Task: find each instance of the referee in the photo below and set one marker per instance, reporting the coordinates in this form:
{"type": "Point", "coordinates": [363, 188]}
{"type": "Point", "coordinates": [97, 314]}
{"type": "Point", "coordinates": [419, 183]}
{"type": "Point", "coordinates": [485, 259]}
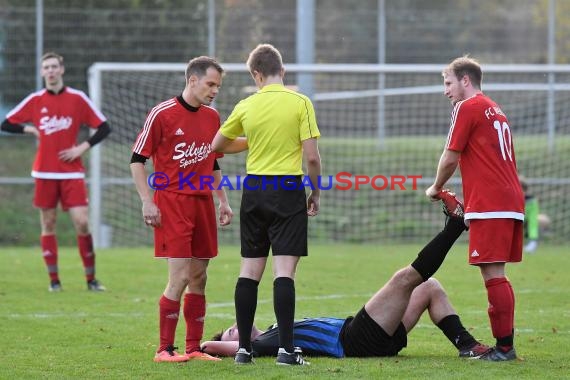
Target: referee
{"type": "Point", "coordinates": [280, 129]}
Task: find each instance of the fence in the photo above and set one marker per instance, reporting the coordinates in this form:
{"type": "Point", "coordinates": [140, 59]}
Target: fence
{"type": "Point", "coordinates": [396, 130]}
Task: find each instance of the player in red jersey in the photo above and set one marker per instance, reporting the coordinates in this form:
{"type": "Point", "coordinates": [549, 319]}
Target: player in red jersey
{"type": "Point", "coordinates": [177, 136]}
{"type": "Point", "coordinates": [54, 116]}
{"type": "Point", "coordinates": [480, 141]}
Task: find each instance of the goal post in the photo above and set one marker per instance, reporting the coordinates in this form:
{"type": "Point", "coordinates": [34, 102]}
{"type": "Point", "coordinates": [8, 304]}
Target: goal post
{"type": "Point", "coordinates": [412, 121]}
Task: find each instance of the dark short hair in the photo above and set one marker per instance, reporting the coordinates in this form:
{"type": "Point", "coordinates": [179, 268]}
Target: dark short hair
{"type": "Point", "coordinates": [467, 66]}
{"type": "Point", "coordinates": [266, 60]}
{"type": "Point", "coordinates": [199, 65]}
{"type": "Point", "coordinates": [51, 54]}
{"type": "Point", "coordinates": [218, 337]}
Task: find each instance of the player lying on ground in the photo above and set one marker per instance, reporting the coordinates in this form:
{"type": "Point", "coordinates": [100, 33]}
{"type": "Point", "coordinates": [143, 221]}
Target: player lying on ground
{"type": "Point", "coordinates": [380, 328]}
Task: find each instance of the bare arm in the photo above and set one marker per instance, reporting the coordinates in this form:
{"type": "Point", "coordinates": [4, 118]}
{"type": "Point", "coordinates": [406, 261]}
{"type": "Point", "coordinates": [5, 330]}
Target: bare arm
{"type": "Point", "coordinates": [225, 145]}
{"type": "Point", "coordinates": [447, 165]}
{"type": "Point", "coordinates": [150, 212]}
{"type": "Point", "coordinates": [225, 211]}
{"type": "Point", "coordinates": [76, 151]}
{"type": "Point", "coordinates": [226, 348]}
{"type": "Point", "coordinates": [313, 162]}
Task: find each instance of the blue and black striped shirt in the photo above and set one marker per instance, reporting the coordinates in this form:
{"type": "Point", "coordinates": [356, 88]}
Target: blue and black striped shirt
{"type": "Point", "coordinates": [315, 336]}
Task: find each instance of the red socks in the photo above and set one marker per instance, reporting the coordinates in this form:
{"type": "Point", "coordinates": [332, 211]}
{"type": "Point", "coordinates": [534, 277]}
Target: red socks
{"type": "Point", "coordinates": [168, 319]}
{"type": "Point", "coordinates": [85, 244]}
{"type": "Point", "coordinates": [194, 314]}
{"type": "Point", "coordinates": [49, 251]}
{"type": "Point", "coordinates": [501, 310]}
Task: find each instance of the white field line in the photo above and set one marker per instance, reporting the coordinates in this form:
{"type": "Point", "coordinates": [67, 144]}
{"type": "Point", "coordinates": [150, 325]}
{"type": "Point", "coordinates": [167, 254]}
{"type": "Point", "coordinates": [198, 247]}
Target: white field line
{"type": "Point", "coordinates": [267, 318]}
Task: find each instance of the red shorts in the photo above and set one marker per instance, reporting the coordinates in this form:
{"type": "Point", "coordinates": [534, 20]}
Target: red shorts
{"type": "Point", "coordinates": [189, 228]}
{"type": "Point", "coordinates": [495, 241]}
{"type": "Point", "coordinates": [71, 193]}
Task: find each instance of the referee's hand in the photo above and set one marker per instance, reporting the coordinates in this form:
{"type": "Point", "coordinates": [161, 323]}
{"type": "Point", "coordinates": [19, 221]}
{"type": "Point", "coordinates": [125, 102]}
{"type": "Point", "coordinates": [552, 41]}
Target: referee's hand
{"type": "Point", "coordinates": [313, 202]}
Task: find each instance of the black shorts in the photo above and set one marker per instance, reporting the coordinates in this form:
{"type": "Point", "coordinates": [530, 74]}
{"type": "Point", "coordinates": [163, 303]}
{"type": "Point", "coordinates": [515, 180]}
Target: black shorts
{"type": "Point", "coordinates": [273, 214]}
{"type": "Point", "coordinates": [361, 336]}
{"type": "Point", "coordinates": [267, 344]}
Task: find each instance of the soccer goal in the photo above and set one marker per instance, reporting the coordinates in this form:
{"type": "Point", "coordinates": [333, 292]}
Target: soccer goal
{"type": "Point", "coordinates": [381, 122]}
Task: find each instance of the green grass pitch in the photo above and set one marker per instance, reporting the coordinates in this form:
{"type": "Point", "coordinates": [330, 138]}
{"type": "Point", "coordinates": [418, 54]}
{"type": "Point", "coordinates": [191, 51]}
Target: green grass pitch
{"type": "Point", "coordinates": [80, 335]}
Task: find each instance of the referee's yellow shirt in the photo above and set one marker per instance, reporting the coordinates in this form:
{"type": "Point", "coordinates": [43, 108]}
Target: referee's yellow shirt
{"type": "Point", "coordinates": [275, 120]}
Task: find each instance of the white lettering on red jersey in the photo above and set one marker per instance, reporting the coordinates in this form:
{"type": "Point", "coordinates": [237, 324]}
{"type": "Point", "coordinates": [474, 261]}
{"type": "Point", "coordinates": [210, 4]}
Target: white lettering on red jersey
{"type": "Point", "coordinates": [480, 131]}
{"type": "Point", "coordinates": [54, 124]}
{"type": "Point", "coordinates": [178, 138]}
{"type": "Point", "coordinates": [58, 117]}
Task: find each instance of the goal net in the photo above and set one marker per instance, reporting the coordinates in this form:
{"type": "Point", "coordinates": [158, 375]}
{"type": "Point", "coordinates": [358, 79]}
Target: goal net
{"type": "Point", "coordinates": [386, 124]}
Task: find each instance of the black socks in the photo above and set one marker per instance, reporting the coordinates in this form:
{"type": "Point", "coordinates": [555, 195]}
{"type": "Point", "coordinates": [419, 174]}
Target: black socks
{"type": "Point", "coordinates": [432, 255]}
{"type": "Point", "coordinates": [245, 299]}
{"type": "Point", "coordinates": [284, 306]}
{"type": "Point", "coordinates": [453, 329]}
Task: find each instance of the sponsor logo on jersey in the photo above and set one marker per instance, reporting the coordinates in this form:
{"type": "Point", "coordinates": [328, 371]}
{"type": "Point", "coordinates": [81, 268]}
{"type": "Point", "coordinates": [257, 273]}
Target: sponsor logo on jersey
{"type": "Point", "coordinates": [44, 110]}
{"type": "Point", "coordinates": [190, 154]}
{"type": "Point", "coordinates": [54, 124]}
{"type": "Point", "coordinates": [179, 132]}
{"type": "Point", "coordinates": [475, 253]}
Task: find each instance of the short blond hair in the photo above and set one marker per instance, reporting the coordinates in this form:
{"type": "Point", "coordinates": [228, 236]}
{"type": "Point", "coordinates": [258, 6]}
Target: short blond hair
{"type": "Point", "coordinates": [266, 60]}
{"type": "Point", "coordinates": [466, 65]}
{"type": "Point", "coordinates": [51, 54]}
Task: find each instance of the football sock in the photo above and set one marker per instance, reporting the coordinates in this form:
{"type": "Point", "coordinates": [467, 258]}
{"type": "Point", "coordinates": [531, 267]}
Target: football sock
{"type": "Point", "coordinates": [194, 314]}
{"type": "Point", "coordinates": [85, 243]}
{"type": "Point", "coordinates": [501, 311]}
{"type": "Point", "coordinates": [284, 306]}
{"type": "Point", "coordinates": [168, 319]}
{"type": "Point", "coordinates": [49, 251]}
{"type": "Point", "coordinates": [432, 255]}
{"type": "Point", "coordinates": [454, 330]}
{"type": "Point", "coordinates": [245, 299]}
{"type": "Point", "coordinates": [506, 343]}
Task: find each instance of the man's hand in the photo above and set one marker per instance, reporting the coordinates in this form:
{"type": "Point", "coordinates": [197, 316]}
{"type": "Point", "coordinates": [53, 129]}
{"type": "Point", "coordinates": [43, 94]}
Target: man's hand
{"type": "Point", "coordinates": [74, 152]}
{"type": "Point", "coordinates": [432, 193]}
{"type": "Point", "coordinates": [313, 204]}
{"type": "Point", "coordinates": [226, 214]}
{"type": "Point", "coordinates": [151, 214]}
{"type": "Point", "coordinates": [31, 130]}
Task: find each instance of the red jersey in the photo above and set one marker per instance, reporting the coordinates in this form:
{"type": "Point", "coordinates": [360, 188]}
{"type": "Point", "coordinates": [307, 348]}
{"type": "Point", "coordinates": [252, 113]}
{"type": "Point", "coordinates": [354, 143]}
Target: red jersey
{"type": "Point", "coordinates": [58, 118]}
{"type": "Point", "coordinates": [178, 138]}
{"type": "Point", "coordinates": [480, 131]}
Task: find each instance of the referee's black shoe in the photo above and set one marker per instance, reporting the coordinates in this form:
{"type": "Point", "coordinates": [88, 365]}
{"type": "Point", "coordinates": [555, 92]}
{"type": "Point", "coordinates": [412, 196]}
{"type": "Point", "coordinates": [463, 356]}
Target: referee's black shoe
{"type": "Point", "coordinates": [243, 357]}
{"type": "Point", "coordinates": [294, 358]}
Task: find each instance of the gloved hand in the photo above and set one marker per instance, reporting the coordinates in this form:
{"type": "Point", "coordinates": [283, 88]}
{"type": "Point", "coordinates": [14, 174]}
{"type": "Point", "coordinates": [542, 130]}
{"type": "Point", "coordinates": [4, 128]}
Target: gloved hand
{"type": "Point", "coordinates": [531, 246]}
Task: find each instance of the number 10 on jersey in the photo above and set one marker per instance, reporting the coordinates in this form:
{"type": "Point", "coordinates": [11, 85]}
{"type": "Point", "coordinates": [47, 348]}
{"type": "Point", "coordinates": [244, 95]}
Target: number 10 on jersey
{"type": "Point", "coordinates": [505, 139]}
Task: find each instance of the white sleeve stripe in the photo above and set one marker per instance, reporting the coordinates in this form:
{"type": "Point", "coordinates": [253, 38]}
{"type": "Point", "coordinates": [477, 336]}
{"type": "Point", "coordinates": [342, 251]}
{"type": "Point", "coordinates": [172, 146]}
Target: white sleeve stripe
{"type": "Point", "coordinates": [452, 123]}
{"type": "Point", "coordinates": [89, 103]}
{"type": "Point", "coordinates": [24, 102]}
{"type": "Point", "coordinates": [141, 140]}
